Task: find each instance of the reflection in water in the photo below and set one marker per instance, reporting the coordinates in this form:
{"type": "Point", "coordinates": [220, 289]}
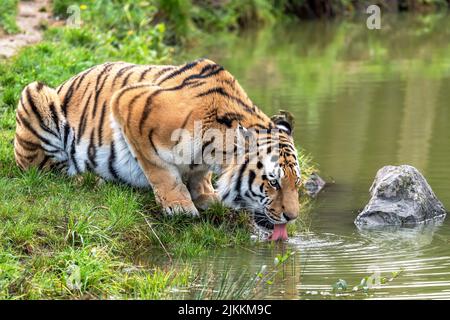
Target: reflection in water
{"type": "Point", "coordinates": [408, 237]}
{"type": "Point", "coordinates": [362, 99]}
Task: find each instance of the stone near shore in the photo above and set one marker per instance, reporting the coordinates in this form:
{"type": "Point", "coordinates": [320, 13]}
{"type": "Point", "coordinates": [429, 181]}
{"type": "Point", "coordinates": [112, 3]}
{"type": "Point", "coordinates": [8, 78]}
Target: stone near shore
{"type": "Point", "coordinates": [314, 184]}
{"type": "Point", "coordinates": [400, 196]}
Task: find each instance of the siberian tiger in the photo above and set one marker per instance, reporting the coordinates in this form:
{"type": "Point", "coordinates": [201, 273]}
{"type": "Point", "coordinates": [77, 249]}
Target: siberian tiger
{"type": "Point", "coordinates": [119, 121]}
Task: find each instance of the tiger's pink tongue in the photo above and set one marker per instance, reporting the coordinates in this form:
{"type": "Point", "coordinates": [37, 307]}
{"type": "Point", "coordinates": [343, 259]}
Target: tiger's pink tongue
{"type": "Point", "coordinates": [279, 232]}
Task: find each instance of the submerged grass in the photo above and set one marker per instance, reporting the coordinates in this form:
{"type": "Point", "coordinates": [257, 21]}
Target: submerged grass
{"type": "Point", "coordinates": [78, 238]}
{"type": "Point", "coordinates": [242, 283]}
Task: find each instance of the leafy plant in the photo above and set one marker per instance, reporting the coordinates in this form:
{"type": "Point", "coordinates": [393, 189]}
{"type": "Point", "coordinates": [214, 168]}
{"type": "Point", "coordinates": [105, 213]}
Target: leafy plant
{"type": "Point", "coordinates": [366, 284]}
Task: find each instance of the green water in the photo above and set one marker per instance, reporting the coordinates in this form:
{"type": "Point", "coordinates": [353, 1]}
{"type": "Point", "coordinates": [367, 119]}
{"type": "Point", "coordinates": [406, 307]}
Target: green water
{"type": "Point", "coordinates": [362, 99]}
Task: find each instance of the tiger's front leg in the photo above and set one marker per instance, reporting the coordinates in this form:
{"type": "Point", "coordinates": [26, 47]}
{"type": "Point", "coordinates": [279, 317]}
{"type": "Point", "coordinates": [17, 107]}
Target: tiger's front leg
{"type": "Point", "coordinates": [131, 107]}
{"type": "Point", "coordinates": [169, 190]}
{"type": "Point", "coordinates": [201, 189]}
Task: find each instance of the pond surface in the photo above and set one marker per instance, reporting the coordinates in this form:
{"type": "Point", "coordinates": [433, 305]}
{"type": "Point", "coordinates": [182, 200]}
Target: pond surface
{"type": "Point", "coordinates": [362, 99]}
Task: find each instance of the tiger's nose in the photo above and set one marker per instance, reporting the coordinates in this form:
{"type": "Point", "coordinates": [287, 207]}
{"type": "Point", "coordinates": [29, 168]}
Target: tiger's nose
{"type": "Point", "coordinates": [290, 216]}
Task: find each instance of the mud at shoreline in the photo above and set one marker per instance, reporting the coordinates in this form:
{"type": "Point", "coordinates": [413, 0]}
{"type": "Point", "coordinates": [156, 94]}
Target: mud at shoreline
{"type": "Point", "coordinates": [29, 17]}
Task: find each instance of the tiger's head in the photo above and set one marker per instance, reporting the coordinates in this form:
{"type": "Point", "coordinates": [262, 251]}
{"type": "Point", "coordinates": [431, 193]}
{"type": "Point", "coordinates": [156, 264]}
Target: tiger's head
{"type": "Point", "coordinates": [267, 180]}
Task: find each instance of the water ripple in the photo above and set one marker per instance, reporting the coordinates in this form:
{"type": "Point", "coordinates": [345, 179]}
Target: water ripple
{"type": "Point", "coordinates": [423, 260]}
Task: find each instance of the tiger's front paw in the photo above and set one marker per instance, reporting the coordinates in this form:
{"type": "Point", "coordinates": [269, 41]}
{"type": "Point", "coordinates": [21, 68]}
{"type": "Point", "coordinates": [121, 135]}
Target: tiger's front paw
{"type": "Point", "coordinates": [205, 200]}
{"type": "Point", "coordinates": [181, 207]}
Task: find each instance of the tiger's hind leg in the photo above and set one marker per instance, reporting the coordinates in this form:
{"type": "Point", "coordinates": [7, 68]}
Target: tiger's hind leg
{"type": "Point", "coordinates": [39, 134]}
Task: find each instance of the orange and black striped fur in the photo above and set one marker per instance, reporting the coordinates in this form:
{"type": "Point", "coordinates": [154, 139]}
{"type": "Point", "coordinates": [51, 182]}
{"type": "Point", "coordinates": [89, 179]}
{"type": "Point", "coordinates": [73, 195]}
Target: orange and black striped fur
{"type": "Point", "coordinates": [117, 120]}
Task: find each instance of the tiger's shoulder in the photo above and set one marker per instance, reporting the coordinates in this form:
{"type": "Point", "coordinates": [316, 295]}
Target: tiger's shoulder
{"type": "Point", "coordinates": [203, 86]}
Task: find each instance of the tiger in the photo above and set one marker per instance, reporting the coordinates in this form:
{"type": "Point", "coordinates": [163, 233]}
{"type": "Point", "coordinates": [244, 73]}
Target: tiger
{"type": "Point", "coordinates": [118, 119]}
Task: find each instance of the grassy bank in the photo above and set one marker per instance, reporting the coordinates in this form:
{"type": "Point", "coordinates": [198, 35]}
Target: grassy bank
{"type": "Point", "coordinates": [8, 16]}
{"type": "Point", "coordinates": [66, 237]}
{"type": "Point", "coordinates": [187, 17]}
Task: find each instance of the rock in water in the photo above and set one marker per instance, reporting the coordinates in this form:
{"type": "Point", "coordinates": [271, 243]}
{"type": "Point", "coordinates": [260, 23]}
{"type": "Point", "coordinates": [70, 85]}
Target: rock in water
{"type": "Point", "coordinates": [400, 196]}
{"type": "Point", "coordinates": [314, 184]}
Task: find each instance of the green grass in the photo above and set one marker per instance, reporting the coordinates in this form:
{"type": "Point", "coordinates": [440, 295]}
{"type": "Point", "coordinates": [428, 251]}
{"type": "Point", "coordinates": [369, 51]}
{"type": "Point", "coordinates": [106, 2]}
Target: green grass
{"type": "Point", "coordinates": [78, 238]}
{"type": "Point", "coordinates": [8, 16]}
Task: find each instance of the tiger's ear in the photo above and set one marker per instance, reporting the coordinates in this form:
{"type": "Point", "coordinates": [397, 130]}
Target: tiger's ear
{"type": "Point", "coordinates": [284, 121]}
{"type": "Point", "coordinates": [241, 129]}
{"type": "Point", "coordinates": [242, 132]}
{"type": "Point", "coordinates": [243, 137]}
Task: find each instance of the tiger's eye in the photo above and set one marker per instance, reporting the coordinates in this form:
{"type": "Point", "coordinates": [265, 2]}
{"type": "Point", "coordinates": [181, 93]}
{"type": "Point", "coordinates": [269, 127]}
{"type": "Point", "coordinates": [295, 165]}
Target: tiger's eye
{"type": "Point", "coordinates": [274, 184]}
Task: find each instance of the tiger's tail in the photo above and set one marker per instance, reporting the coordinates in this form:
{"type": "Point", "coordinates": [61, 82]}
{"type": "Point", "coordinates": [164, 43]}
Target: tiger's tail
{"type": "Point", "coordinates": [41, 129]}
